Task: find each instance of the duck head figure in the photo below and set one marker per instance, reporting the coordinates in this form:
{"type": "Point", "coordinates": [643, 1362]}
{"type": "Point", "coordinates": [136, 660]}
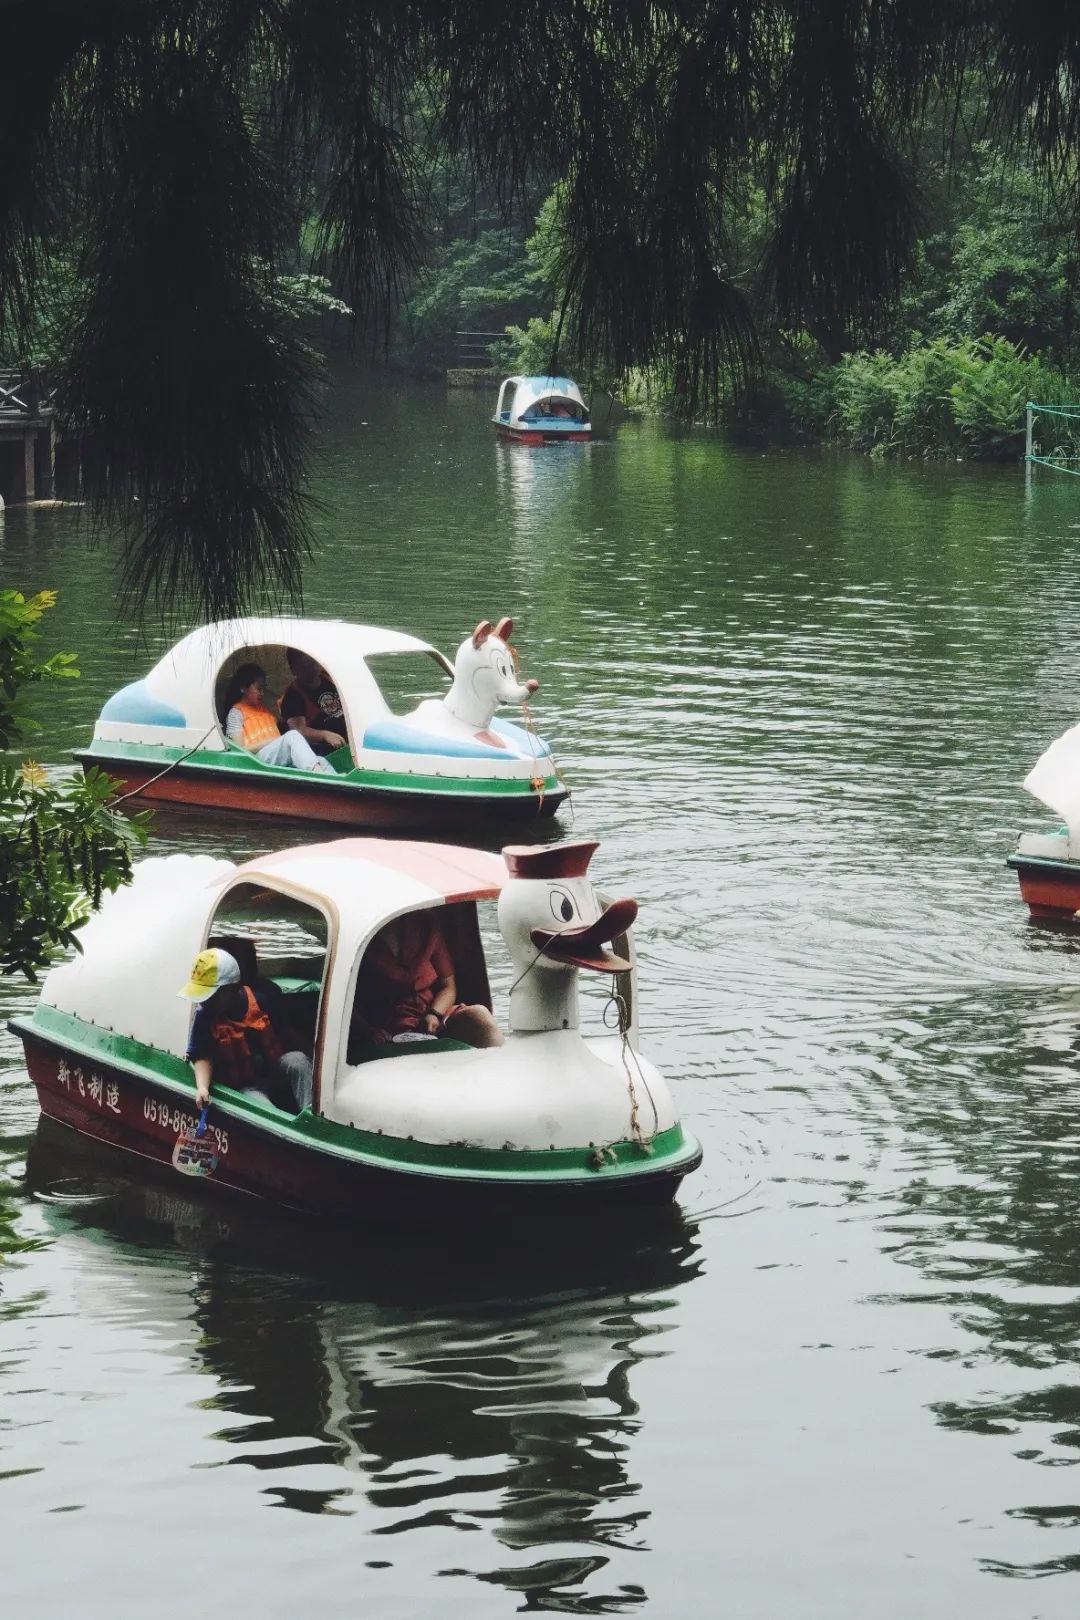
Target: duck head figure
{"type": "Point", "coordinates": [485, 676]}
{"type": "Point", "coordinates": [555, 926]}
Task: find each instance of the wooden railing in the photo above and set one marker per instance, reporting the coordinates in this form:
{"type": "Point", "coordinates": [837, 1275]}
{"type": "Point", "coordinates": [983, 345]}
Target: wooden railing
{"type": "Point", "coordinates": [474, 348]}
{"type": "Point", "coordinates": [21, 398]}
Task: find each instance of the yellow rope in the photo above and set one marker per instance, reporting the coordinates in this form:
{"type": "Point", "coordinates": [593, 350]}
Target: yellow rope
{"type": "Point", "coordinates": [536, 781]}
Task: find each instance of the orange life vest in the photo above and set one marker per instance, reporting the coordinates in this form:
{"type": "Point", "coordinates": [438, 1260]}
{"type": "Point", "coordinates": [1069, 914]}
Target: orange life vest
{"type": "Point", "coordinates": [246, 1048]}
{"type": "Point", "coordinates": [260, 727]}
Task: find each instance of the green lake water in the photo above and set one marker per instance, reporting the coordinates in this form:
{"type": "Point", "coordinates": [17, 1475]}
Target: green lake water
{"type": "Point", "coordinates": [795, 695]}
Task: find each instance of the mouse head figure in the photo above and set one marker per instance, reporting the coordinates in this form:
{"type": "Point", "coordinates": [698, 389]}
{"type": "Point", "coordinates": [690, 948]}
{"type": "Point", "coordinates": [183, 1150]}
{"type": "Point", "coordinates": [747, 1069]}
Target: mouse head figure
{"type": "Point", "coordinates": [555, 926]}
{"type": "Point", "coordinates": [484, 675]}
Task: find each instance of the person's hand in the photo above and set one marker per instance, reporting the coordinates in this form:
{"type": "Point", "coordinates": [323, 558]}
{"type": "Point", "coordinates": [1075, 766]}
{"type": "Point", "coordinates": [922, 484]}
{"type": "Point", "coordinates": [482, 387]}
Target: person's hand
{"type": "Point", "coordinates": [432, 1022]}
{"type": "Point", "coordinates": [202, 1093]}
{"type": "Point", "coordinates": [331, 739]}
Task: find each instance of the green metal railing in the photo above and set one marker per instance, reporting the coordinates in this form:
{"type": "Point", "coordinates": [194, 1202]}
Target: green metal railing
{"type": "Point", "coordinates": [1061, 462]}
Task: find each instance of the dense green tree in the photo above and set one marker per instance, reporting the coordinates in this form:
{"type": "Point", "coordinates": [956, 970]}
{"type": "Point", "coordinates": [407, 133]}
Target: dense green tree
{"type": "Point", "coordinates": [171, 152]}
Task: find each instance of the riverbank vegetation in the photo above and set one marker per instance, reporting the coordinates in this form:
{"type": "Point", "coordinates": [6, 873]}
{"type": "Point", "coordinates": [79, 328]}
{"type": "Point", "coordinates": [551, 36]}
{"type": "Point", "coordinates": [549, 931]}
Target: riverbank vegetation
{"type": "Point", "coordinates": [62, 844]}
{"type": "Point", "coordinates": [722, 192]}
{"type": "Point", "coordinates": [982, 321]}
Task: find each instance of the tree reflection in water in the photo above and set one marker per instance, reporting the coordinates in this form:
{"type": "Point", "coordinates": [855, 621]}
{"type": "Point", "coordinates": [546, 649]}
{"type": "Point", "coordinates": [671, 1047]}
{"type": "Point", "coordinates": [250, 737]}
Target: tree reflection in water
{"type": "Point", "coordinates": [480, 1382]}
{"type": "Point", "coordinates": [991, 1219]}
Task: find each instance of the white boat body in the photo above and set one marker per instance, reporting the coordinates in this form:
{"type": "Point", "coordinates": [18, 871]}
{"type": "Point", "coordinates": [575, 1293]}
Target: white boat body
{"type": "Point", "coordinates": [1054, 780]}
{"type": "Point", "coordinates": [547, 1086]}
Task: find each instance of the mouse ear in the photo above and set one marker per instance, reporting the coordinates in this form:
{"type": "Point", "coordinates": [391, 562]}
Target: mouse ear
{"type": "Point", "coordinates": [481, 633]}
{"type": "Point", "coordinates": [504, 629]}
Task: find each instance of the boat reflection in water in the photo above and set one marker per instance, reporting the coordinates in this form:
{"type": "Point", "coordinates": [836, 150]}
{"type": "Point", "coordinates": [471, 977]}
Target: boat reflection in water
{"type": "Point", "coordinates": [428, 1389]}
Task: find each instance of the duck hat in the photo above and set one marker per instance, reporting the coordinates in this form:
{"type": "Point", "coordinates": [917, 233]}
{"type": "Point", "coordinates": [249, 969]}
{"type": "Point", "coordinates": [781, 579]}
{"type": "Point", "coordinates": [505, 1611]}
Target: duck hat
{"type": "Point", "coordinates": [209, 972]}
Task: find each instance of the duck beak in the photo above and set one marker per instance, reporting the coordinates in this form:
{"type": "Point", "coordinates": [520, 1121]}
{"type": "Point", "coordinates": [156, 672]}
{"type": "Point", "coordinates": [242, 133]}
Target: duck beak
{"type": "Point", "coordinates": [584, 947]}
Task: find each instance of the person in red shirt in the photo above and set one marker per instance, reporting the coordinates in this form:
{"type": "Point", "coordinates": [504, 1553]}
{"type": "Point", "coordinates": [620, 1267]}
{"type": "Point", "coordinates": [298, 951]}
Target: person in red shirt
{"type": "Point", "coordinates": [407, 987]}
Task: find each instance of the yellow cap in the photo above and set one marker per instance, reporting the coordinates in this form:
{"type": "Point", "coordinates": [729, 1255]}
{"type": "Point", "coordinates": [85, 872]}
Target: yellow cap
{"type": "Point", "coordinates": [209, 971]}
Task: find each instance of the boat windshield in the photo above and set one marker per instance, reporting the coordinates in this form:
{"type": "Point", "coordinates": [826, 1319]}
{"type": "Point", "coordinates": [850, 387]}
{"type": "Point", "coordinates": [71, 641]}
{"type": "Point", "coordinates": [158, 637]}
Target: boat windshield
{"type": "Point", "coordinates": [406, 678]}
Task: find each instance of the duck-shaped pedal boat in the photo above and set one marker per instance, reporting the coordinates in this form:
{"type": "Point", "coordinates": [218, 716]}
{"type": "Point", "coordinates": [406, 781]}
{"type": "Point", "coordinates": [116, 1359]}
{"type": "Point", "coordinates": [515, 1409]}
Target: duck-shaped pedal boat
{"type": "Point", "coordinates": [375, 761]}
{"type": "Point", "coordinates": [1048, 864]}
{"type": "Point", "coordinates": [551, 1119]}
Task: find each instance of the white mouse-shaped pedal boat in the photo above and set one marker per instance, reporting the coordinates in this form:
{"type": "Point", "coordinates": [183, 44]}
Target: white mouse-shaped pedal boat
{"type": "Point", "coordinates": [447, 761]}
{"type": "Point", "coordinates": [552, 1119]}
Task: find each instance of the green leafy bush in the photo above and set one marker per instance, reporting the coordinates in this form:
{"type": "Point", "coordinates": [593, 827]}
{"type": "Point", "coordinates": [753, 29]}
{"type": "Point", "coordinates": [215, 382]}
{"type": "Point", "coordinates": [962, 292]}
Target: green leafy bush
{"type": "Point", "coordinates": [989, 396]}
{"type": "Point", "coordinates": [866, 393]}
{"type": "Point", "coordinates": [965, 399]}
{"type": "Point", "coordinates": [61, 842]}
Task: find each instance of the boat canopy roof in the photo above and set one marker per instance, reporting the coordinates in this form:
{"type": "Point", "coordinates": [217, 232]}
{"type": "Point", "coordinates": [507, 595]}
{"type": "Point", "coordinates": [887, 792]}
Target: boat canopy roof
{"type": "Point", "coordinates": [185, 677]}
{"type": "Point", "coordinates": [138, 949]}
{"type": "Point", "coordinates": [363, 882]}
{"type": "Point", "coordinates": [533, 388]}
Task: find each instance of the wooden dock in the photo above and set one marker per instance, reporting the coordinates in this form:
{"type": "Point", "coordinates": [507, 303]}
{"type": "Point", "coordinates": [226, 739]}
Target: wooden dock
{"type": "Point", "coordinates": [27, 439]}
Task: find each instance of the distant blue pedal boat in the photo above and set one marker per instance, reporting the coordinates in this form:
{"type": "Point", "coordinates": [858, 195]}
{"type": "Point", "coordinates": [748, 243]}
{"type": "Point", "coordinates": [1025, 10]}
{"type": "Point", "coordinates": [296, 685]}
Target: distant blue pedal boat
{"type": "Point", "coordinates": [542, 410]}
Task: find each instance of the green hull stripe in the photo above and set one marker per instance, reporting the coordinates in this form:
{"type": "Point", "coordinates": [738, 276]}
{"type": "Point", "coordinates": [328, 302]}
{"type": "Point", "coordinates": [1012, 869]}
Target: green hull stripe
{"type": "Point", "coordinates": [669, 1151]}
{"type": "Point", "coordinates": [1046, 863]}
{"type": "Point", "coordinates": [158, 756]}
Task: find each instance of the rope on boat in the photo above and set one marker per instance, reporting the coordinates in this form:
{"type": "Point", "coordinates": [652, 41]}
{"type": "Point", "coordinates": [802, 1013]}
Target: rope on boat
{"type": "Point", "coordinates": [173, 763]}
{"type": "Point", "coordinates": [536, 782]}
{"type": "Point", "coordinates": [628, 1054]}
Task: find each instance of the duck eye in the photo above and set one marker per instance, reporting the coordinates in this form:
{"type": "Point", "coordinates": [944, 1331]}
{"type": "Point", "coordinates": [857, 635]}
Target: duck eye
{"type": "Point", "coordinates": [561, 905]}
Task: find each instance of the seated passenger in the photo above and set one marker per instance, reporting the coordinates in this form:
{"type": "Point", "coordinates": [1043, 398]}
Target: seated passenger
{"type": "Point", "coordinates": [235, 1041]}
{"type": "Point", "coordinates": [269, 995]}
{"type": "Point", "coordinates": [310, 704]}
{"type": "Point", "coordinates": [407, 988]}
{"type": "Point", "coordinates": [252, 725]}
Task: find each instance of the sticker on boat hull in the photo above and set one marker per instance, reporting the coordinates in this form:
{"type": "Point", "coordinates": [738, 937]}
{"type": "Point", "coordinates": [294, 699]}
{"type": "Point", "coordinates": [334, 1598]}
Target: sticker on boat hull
{"type": "Point", "coordinates": [195, 1153]}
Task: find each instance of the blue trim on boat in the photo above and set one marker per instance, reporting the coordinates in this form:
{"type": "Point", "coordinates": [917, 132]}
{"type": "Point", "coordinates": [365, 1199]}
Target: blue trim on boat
{"type": "Point", "coordinates": [136, 705]}
{"type": "Point", "coordinates": [394, 737]}
{"type": "Point", "coordinates": [524, 741]}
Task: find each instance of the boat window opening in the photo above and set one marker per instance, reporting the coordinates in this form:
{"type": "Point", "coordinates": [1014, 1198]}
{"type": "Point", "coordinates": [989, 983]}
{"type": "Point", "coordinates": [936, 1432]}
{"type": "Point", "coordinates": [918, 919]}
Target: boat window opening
{"type": "Point", "coordinates": [558, 406]}
{"type": "Point", "coordinates": [270, 658]}
{"type": "Point", "coordinates": [506, 404]}
{"type": "Point", "coordinates": [405, 679]}
{"type": "Point", "coordinates": [280, 945]}
{"type": "Point", "coordinates": [460, 928]}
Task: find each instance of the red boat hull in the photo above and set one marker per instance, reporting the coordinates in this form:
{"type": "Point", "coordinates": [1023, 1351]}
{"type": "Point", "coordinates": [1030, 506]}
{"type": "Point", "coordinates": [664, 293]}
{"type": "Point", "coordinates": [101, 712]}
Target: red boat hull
{"type": "Point", "coordinates": [524, 436]}
{"type": "Point", "coordinates": [1051, 889]}
{"type": "Point", "coordinates": [130, 1111]}
{"type": "Point", "coordinates": [347, 806]}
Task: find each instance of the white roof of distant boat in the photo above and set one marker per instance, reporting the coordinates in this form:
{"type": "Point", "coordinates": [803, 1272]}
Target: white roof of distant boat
{"type": "Point", "coordinates": [541, 388]}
